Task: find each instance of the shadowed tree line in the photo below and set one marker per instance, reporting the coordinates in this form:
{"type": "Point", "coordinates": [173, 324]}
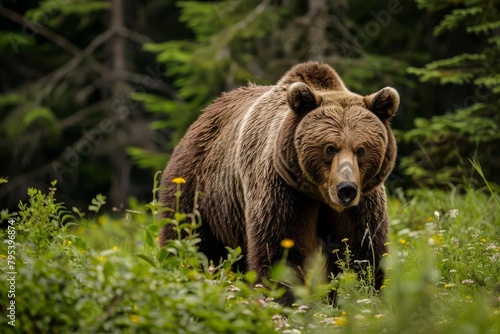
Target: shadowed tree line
{"type": "Point", "coordinates": [97, 93]}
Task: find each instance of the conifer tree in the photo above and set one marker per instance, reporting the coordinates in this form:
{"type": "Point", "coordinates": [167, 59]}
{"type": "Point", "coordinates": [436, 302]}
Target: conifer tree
{"type": "Point", "coordinates": [470, 127]}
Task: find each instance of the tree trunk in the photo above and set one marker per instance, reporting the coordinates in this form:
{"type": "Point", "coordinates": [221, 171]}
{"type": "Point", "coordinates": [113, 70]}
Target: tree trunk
{"type": "Point", "coordinates": [318, 14]}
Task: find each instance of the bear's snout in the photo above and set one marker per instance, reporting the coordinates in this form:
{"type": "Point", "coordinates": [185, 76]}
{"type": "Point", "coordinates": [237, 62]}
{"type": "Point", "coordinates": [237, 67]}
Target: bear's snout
{"type": "Point", "coordinates": [347, 192]}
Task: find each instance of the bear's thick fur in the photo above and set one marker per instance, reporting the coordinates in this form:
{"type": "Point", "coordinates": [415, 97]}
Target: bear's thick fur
{"type": "Point", "coordinates": [304, 159]}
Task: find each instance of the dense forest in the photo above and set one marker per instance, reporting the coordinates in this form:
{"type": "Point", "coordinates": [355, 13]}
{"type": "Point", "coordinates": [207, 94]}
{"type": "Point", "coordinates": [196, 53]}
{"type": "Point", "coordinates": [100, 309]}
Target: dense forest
{"type": "Point", "coordinates": [95, 94]}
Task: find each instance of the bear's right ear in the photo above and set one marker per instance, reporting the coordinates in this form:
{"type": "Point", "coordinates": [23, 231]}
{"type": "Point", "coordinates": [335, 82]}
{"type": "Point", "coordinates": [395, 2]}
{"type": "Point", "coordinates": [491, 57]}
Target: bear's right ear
{"type": "Point", "coordinates": [301, 98]}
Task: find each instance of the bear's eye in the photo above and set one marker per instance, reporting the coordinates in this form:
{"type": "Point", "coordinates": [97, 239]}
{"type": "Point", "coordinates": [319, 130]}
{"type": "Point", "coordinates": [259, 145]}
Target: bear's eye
{"type": "Point", "coordinates": [360, 152]}
{"type": "Point", "coordinates": [331, 150]}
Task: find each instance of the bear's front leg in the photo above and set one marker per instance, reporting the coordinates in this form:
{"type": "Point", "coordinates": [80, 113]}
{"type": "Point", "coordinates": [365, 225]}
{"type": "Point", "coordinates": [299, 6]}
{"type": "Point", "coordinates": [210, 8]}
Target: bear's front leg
{"type": "Point", "coordinates": [269, 220]}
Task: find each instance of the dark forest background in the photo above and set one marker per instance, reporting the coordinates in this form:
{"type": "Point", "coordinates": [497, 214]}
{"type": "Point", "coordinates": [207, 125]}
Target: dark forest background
{"type": "Point", "coordinates": [95, 94]}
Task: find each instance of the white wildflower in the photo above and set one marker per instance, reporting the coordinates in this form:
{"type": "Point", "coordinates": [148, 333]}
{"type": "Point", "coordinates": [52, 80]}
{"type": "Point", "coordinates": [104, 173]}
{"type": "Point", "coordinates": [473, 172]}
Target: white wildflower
{"type": "Point", "coordinates": [453, 213]}
{"type": "Point", "coordinates": [364, 301]}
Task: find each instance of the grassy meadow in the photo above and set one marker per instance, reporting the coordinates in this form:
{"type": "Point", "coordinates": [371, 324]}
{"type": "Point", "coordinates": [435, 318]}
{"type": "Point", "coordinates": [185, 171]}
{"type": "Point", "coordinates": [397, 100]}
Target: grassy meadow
{"type": "Point", "coordinates": [85, 271]}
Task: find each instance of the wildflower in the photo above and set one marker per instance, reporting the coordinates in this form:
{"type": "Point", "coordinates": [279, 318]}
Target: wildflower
{"type": "Point", "coordinates": [233, 288]}
{"type": "Point", "coordinates": [134, 318]}
{"type": "Point", "coordinates": [101, 258]}
{"type": "Point", "coordinates": [340, 321]}
{"type": "Point", "coordinates": [361, 261]}
{"type": "Point", "coordinates": [453, 271]}
{"type": "Point", "coordinates": [449, 285]}
{"type": "Point", "coordinates": [69, 242]}
{"type": "Point", "coordinates": [179, 180]}
{"type": "Point", "coordinates": [483, 240]}
{"type": "Point", "coordinates": [435, 240]}
{"type": "Point", "coordinates": [115, 247]}
{"type": "Point", "coordinates": [364, 301]}
{"type": "Point", "coordinates": [287, 243]}
{"type": "Point", "coordinates": [467, 281]}
{"type": "Point", "coordinates": [453, 213]}
{"type": "Point", "coordinates": [436, 214]}
{"type": "Point", "coordinates": [492, 247]}
{"type": "Point", "coordinates": [379, 316]}
{"type": "Point", "coordinates": [402, 241]}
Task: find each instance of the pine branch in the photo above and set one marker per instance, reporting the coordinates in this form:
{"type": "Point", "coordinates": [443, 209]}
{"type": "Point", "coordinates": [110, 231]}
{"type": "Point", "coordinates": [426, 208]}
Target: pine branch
{"type": "Point", "coordinates": [52, 36]}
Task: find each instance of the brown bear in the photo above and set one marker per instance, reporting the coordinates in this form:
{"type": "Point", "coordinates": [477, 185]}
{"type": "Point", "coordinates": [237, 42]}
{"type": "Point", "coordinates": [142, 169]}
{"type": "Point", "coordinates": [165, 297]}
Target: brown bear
{"type": "Point", "coordinates": [304, 159]}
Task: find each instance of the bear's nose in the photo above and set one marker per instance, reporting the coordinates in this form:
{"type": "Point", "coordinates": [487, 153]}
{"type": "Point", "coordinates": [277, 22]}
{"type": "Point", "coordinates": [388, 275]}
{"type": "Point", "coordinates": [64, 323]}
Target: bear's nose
{"type": "Point", "coordinates": [347, 191]}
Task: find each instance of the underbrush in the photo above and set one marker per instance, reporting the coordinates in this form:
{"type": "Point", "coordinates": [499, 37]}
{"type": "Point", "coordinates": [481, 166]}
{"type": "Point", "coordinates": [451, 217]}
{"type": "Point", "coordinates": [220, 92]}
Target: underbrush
{"type": "Point", "coordinates": [99, 273]}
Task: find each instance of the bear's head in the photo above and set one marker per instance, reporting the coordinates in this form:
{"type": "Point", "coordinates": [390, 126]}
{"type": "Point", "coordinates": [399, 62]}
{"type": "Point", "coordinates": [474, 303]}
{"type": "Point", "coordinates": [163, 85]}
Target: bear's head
{"type": "Point", "coordinates": [334, 145]}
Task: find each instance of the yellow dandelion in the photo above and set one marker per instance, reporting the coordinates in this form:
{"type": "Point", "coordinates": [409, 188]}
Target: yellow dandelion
{"type": "Point", "coordinates": [134, 318]}
{"type": "Point", "coordinates": [402, 241]}
{"type": "Point", "coordinates": [340, 321]}
{"type": "Point", "coordinates": [179, 180]}
{"type": "Point", "coordinates": [115, 247]}
{"type": "Point", "coordinates": [287, 243]}
{"type": "Point", "coordinates": [101, 258]}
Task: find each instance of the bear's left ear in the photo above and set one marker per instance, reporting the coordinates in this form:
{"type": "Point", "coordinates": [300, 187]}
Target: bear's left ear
{"type": "Point", "coordinates": [384, 103]}
{"type": "Point", "coordinates": [301, 98]}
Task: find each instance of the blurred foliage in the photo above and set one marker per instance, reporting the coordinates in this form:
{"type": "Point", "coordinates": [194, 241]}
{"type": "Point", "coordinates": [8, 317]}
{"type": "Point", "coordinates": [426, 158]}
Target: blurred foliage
{"type": "Point", "coordinates": [84, 271]}
{"type": "Point", "coordinates": [470, 128]}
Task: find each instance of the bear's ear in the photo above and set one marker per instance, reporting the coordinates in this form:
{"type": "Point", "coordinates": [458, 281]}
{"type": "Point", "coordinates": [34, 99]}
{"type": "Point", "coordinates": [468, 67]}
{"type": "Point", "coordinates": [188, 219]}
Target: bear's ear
{"type": "Point", "coordinates": [301, 98]}
{"type": "Point", "coordinates": [384, 103]}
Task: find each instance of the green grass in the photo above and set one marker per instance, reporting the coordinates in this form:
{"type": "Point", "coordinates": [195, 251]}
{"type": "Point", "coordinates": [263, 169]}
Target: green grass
{"type": "Point", "coordinates": [101, 273]}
